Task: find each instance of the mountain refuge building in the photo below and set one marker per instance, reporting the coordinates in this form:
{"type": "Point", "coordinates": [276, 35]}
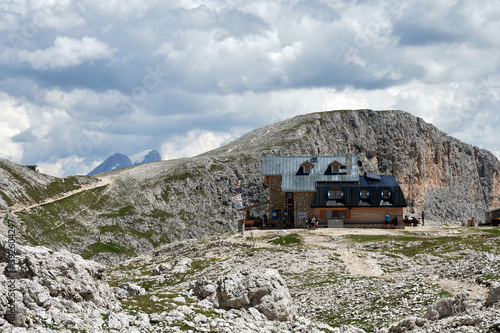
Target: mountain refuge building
{"type": "Point", "coordinates": [331, 188]}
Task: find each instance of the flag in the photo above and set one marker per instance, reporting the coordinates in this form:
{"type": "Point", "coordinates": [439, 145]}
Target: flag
{"type": "Point", "coordinates": [238, 201]}
{"type": "Point", "coordinates": [239, 182]}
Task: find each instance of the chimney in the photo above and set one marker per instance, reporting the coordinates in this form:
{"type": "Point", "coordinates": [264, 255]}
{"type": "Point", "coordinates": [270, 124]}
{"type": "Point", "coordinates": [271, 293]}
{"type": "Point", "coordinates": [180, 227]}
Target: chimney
{"type": "Point", "coordinates": [348, 163]}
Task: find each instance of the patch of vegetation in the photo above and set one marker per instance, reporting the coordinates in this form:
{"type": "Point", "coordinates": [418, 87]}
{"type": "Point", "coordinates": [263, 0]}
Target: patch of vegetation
{"type": "Point", "coordinates": [411, 245]}
{"type": "Point", "coordinates": [99, 247]}
{"type": "Point", "coordinates": [123, 211]}
{"type": "Point", "coordinates": [367, 238]}
{"type": "Point", "coordinates": [163, 215]}
{"type": "Point", "coordinates": [6, 199]}
{"type": "Point", "coordinates": [287, 240]}
{"type": "Point", "coordinates": [180, 176]}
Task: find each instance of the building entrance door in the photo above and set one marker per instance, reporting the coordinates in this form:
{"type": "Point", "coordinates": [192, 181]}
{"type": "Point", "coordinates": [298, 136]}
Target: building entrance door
{"type": "Point", "coordinates": [291, 211]}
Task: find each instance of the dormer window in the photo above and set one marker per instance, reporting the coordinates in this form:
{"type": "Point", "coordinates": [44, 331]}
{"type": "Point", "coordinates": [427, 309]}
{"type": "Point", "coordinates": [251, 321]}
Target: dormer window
{"type": "Point", "coordinates": [307, 167]}
{"type": "Point", "coordinates": [335, 167]}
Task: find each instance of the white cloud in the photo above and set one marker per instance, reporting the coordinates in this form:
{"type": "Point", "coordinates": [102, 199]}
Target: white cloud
{"type": "Point", "coordinates": [180, 65]}
{"type": "Point", "coordinates": [14, 119]}
{"type": "Point", "coordinates": [193, 143]}
{"type": "Point", "coordinates": [59, 166]}
{"type": "Point", "coordinates": [66, 52]}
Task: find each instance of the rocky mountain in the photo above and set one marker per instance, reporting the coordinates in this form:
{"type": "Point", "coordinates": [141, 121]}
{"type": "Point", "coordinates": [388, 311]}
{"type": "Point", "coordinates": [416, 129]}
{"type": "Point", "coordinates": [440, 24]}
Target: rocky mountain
{"type": "Point", "coordinates": [133, 210]}
{"type": "Point", "coordinates": [120, 161]}
{"type": "Point", "coordinates": [146, 156]}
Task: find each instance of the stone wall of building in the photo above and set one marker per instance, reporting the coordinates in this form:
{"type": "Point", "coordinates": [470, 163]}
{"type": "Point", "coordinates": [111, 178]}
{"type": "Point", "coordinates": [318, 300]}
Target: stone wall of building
{"type": "Point", "coordinates": [277, 199]}
{"type": "Point", "coordinates": [303, 202]}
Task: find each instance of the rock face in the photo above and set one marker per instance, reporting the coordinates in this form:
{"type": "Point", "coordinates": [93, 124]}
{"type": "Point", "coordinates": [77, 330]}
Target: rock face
{"type": "Point", "coordinates": [448, 179]}
{"type": "Point", "coordinates": [61, 289]}
{"type": "Point", "coordinates": [264, 290]}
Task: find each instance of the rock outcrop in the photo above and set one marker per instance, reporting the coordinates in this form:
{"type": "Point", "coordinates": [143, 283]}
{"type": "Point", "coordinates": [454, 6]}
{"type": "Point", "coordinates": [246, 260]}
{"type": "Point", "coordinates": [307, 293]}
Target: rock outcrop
{"type": "Point", "coordinates": [58, 289]}
{"type": "Point", "coordinates": [493, 295]}
{"type": "Point", "coordinates": [263, 290]}
{"type": "Point", "coordinates": [447, 307]}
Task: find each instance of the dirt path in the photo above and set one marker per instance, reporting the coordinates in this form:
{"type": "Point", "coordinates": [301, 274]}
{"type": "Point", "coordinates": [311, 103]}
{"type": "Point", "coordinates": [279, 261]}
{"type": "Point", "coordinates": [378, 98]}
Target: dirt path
{"type": "Point", "coordinates": [103, 181]}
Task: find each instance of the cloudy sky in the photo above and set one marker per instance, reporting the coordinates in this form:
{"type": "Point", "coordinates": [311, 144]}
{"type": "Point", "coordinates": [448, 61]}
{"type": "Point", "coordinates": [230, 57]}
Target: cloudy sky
{"type": "Point", "coordinates": [81, 80]}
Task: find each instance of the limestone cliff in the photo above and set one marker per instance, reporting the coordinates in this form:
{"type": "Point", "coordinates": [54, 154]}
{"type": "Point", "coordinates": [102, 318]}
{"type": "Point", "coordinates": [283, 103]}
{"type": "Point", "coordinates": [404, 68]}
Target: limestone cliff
{"type": "Point", "coordinates": [448, 179]}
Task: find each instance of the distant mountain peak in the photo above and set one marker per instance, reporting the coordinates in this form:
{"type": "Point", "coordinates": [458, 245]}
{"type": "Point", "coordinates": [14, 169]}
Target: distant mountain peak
{"type": "Point", "coordinates": [145, 156]}
{"type": "Point", "coordinates": [120, 161]}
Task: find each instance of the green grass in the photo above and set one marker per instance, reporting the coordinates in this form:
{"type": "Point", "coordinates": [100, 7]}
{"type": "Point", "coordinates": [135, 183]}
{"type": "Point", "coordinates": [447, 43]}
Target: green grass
{"type": "Point", "coordinates": [486, 240]}
{"type": "Point", "coordinates": [287, 240]}
{"type": "Point", "coordinates": [99, 247]}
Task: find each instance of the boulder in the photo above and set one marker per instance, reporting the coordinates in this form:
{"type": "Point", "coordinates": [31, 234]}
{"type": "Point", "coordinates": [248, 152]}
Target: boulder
{"type": "Point", "coordinates": [161, 269]}
{"type": "Point", "coordinates": [182, 265]}
{"type": "Point", "coordinates": [264, 290]}
{"type": "Point", "coordinates": [493, 295]}
{"type": "Point", "coordinates": [447, 307]}
{"type": "Point", "coordinates": [132, 289]}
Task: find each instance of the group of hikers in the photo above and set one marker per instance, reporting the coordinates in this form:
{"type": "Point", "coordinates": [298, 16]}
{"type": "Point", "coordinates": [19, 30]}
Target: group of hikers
{"type": "Point", "coordinates": [395, 221]}
{"type": "Point", "coordinates": [311, 223]}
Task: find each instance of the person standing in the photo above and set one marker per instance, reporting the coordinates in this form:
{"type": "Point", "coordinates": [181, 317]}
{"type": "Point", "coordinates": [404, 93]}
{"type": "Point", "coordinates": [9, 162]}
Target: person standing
{"type": "Point", "coordinates": [387, 220]}
{"type": "Point", "coordinates": [423, 216]}
{"type": "Point", "coordinates": [395, 221]}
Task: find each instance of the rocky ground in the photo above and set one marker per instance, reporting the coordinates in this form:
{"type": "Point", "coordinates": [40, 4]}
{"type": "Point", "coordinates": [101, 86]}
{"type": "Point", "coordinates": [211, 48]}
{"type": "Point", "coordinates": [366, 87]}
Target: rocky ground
{"type": "Point", "coordinates": [424, 279]}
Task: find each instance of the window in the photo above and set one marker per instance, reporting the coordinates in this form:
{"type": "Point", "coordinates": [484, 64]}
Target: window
{"type": "Point", "coordinates": [340, 214]}
{"type": "Point", "coordinates": [335, 194]}
{"type": "Point", "coordinates": [386, 194]}
{"type": "Point", "coordinates": [364, 194]}
{"type": "Point", "coordinates": [335, 167]}
{"type": "Point", "coordinates": [307, 167]}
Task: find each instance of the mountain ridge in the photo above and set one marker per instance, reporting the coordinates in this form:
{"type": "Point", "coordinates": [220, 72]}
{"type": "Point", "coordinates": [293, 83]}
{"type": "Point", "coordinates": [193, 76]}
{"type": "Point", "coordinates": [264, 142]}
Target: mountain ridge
{"type": "Point", "coordinates": [151, 204]}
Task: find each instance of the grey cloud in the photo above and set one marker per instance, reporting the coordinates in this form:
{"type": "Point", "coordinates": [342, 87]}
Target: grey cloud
{"type": "Point", "coordinates": [219, 66]}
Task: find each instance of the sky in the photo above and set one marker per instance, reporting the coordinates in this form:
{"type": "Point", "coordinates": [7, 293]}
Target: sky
{"type": "Point", "coordinates": [82, 80]}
